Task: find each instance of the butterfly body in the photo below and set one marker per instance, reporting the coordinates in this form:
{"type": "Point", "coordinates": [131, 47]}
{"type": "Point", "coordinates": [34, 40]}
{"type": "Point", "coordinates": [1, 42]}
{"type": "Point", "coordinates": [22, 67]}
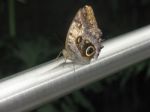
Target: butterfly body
{"type": "Point", "coordinates": [83, 41]}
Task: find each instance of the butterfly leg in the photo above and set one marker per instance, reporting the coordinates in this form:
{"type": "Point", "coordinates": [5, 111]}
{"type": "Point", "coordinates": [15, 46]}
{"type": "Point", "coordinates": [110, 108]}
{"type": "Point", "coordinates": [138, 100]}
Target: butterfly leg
{"type": "Point", "coordinates": [59, 55]}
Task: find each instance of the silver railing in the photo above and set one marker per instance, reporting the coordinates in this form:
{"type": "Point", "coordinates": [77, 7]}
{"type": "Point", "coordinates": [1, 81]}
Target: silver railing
{"type": "Point", "coordinates": [28, 89]}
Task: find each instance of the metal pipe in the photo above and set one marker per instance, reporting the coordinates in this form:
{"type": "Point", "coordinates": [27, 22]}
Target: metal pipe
{"type": "Point", "coordinates": [31, 88]}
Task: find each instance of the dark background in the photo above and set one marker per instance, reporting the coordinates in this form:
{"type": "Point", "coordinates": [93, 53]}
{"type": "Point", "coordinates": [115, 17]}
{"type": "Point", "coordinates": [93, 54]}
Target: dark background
{"type": "Point", "coordinates": [34, 31]}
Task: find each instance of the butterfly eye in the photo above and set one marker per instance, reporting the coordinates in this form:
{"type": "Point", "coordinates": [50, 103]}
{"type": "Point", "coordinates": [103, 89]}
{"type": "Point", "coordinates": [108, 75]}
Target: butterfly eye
{"type": "Point", "coordinates": [90, 51]}
{"type": "Point", "coordinates": [79, 39]}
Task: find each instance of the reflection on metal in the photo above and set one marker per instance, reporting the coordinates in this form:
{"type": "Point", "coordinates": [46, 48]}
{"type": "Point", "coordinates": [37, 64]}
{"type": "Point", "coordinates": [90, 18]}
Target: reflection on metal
{"type": "Point", "coordinates": [46, 82]}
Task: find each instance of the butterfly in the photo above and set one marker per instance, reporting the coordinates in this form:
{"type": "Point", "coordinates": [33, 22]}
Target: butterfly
{"type": "Point", "coordinates": [83, 41]}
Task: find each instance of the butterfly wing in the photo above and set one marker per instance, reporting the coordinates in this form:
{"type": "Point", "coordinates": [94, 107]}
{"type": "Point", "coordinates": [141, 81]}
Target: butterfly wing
{"type": "Point", "coordinates": [83, 39]}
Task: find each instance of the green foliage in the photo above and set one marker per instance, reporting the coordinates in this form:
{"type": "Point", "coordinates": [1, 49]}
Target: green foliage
{"type": "Point", "coordinates": [48, 108]}
{"type": "Point", "coordinates": [80, 99]}
{"type": "Point", "coordinates": [32, 52]}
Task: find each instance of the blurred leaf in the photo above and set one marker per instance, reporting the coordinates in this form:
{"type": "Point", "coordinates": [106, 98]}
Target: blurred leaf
{"type": "Point", "coordinates": [67, 108]}
{"type": "Point", "coordinates": [47, 108]}
{"type": "Point", "coordinates": [80, 99]}
{"type": "Point", "coordinates": [96, 87]}
{"type": "Point", "coordinates": [70, 103]}
{"type": "Point", "coordinates": [32, 52]}
{"type": "Point", "coordinates": [125, 78]}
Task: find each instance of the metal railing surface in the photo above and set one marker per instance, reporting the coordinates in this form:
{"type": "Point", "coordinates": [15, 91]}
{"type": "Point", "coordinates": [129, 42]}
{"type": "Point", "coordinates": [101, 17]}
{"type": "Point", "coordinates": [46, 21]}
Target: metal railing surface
{"type": "Point", "coordinates": [31, 88]}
